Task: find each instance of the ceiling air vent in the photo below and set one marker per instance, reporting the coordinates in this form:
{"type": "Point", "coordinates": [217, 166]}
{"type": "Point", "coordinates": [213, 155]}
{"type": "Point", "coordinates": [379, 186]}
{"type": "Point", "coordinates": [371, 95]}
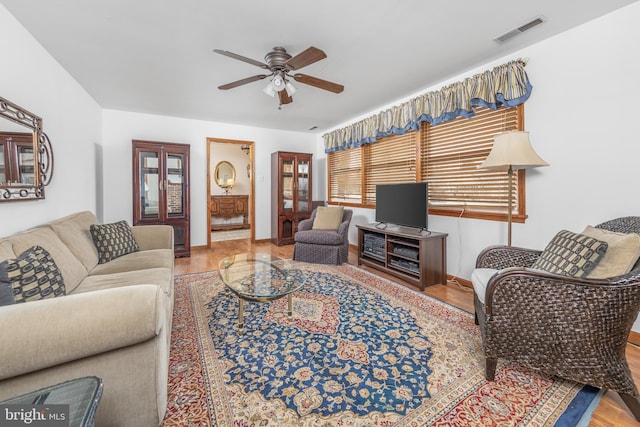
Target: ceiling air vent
{"type": "Point", "coordinates": [521, 29]}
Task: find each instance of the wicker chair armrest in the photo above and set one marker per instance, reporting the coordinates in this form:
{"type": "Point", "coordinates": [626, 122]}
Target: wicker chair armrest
{"type": "Point", "coordinates": [305, 224]}
{"type": "Point", "coordinates": [527, 288]}
{"type": "Point", "coordinates": [500, 257]}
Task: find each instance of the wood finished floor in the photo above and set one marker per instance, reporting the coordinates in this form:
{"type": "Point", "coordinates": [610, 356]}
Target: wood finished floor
{"type": "Point", "coordinates": [610, 412]}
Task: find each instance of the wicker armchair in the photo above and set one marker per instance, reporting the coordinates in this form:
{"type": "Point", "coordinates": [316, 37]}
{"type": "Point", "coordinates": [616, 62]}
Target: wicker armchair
{"type": "Point", "coordinates": [322, 246]}
{"type": "Point", "coordinates": [572, 328]}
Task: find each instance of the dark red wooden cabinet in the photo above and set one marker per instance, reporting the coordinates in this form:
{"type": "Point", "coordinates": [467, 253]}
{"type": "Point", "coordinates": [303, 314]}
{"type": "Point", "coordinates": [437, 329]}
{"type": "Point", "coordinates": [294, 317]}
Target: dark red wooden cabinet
{"type": "Point", "coordinates": [290, 194]}
{"type": "Point", "coordinates": [161, 189]}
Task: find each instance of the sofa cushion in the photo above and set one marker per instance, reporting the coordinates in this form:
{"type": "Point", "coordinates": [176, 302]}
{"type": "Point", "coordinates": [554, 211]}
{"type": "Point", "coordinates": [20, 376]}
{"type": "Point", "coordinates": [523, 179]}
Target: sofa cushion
{"type": "Point", "coordinates": [113, 240]}
{"type": "Point", "coordinates": [73, 230]}
{"type": "Point", "coordinates": [6, 250]}
{"type": "Point", "coordinates": [33, 275]}
{"type": "Point", "coordinates": [142, 260]}
{"type": "Point", "coordinates": [71, 268]}
{"type": "Point", "coordinates": [162, 277]}
{"type": "Point", "coordinates": [622, 253]}
{"type": "Point", "coordinates": [328, 217]}
{"type": "Point", "coordinates": [571, 254]}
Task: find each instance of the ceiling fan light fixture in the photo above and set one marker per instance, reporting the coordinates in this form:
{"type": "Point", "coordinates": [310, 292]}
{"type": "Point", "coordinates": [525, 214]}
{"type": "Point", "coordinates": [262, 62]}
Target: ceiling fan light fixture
{"type": "Point", "coordinates": [290, 88]}
{"type": "Point", "coordinates": [278, 83]}
{"type": "Point", "coordinates": [268, 89]}
{"type": "Point", "coordinates": [280, 64]}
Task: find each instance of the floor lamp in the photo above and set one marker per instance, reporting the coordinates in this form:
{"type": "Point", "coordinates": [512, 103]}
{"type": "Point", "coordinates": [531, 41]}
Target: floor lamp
{"type": "Point", "coordinates": [512, 151]}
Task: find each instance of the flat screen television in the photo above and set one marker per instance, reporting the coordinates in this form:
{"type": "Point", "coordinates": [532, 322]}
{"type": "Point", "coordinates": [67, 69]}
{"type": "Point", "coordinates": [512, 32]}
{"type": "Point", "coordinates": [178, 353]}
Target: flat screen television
{"type": "Point", "coordinates": [403, 204]}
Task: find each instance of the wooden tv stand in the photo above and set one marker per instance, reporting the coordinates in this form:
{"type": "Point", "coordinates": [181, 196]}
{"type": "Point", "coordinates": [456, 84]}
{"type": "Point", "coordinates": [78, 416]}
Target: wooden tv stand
{"type": "Point", "coordinates": [419, 258]}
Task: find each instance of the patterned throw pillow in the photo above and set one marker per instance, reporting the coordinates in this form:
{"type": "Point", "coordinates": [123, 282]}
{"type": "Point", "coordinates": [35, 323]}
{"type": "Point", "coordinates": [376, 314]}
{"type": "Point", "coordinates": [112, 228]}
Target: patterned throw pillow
{"type": "Point", "coordinates": [571, 254]}
{"type": "Point", "coordinates": [113, 240]}
{"type": "Point", "coordinates": [32, 276]}
{"type": "Point", "coordinates": [6, 292]}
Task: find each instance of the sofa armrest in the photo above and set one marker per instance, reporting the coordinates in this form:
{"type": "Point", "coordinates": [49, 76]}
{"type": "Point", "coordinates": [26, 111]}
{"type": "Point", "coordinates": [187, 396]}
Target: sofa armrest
{"type": "Point", "coordinates": [305, 224]}
{"type": "Point", "coordinates": [343, 229]}
{"type": "Point", "coordinates": [153, 236]}
{"type": "Point", "coordinates": [40, 334]}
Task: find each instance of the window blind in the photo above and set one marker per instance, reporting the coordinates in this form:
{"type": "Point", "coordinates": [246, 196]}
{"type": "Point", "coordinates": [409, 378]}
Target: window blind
{"type": "Point", "coordinates": [345, 176]}
{"type": "Point", "coordinates": [451, 153]}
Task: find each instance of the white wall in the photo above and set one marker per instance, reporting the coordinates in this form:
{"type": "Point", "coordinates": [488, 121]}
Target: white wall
{"type": "Point", "coordinates": [121, 127]}
{"type": "Point", "coordinates": [31, 78]}
{"type": "Point", "coordinates": [582, 120]}
{"type": "Point", "coordinates": [581, 117]}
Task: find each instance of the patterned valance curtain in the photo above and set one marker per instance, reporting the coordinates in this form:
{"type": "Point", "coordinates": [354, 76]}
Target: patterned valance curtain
{"type": "Point", "coordinates": [506, 84]}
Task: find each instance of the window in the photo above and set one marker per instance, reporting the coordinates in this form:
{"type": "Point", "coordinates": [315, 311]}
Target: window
{"type": "Point", "coordinates": [388, 161]}
{"type": "Point", "coordinates": [345, 176]}
{"type": "Point", "coordinates": [447, 156]}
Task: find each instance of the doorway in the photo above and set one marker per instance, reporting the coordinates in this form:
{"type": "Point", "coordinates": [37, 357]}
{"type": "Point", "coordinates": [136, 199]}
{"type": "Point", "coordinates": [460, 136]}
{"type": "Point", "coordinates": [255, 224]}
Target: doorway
{"type": "Point", "coordinates": [230, 190]}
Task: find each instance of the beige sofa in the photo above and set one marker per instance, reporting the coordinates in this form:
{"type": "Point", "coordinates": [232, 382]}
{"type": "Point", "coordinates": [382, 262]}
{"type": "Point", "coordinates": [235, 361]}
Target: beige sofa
{"type": "Point", "coordinates": [114, 322]}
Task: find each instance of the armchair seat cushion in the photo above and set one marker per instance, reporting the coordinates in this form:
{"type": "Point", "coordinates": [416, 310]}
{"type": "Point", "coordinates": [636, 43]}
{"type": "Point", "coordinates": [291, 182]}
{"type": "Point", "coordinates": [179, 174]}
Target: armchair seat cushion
{"type": "Point", "coordinates": [480, 279]}
{"type": "Point", "coordinates": [319, 237]}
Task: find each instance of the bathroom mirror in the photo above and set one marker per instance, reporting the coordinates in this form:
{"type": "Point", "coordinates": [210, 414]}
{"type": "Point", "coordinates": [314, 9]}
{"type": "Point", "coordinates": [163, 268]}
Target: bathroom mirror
{"type": "Point", "coordinates": [26, 157]}
{"type": "Point", "coordinates": [225, 175]}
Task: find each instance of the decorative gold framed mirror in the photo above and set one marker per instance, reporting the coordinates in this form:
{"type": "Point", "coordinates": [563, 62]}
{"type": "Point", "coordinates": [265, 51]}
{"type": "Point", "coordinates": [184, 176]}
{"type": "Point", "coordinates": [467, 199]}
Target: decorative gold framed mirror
{"type": "Point", "coordinates": [26, 156]}
{"type": "Point", "coordinates": [225, 175]}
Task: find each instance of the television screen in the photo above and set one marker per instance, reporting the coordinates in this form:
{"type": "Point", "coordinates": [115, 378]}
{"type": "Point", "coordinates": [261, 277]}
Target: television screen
{"type": "Point", "coordinates": [402, 204]}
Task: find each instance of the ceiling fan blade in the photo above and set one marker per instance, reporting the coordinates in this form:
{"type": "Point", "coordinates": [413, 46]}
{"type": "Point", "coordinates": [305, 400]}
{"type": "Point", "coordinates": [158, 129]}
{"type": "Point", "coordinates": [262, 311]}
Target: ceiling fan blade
{"type": "Point", "coordinates": [242, 58]}
{"type": "Point", "coordinates": [304, 58]}
{"type": "Point", "coordinates": [243, 81]}
{"type": "Point", "coordinates": [322, 84]}
{"type": "Point", "coordinates": [284, 97]}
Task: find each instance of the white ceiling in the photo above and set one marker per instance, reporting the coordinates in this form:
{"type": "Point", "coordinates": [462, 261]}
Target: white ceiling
{"type": "Point", "coordinates": [155, 56]}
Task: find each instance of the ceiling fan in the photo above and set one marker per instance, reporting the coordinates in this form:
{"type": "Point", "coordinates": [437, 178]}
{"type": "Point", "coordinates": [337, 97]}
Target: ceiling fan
{"type": "Point", "coordinates": [281, 64]}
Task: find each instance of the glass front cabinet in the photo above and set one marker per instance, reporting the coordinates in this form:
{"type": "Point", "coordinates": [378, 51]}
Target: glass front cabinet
{"type": "Point", "coordinates": [161, 189]}
{"type": "Point", "coordinates": [17, 160]}
{"type": "Point", "coordinates": [291, 194]}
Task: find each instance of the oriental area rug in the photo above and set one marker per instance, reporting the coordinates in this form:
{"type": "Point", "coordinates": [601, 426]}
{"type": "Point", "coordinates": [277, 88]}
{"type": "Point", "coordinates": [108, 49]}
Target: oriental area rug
{"type": "Point", "coordinates": [359, 350]}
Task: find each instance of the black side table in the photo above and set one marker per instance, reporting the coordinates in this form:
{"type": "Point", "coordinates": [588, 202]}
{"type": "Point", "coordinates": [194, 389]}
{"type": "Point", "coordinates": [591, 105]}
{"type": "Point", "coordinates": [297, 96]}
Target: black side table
{"type": "Point", "coordinates": [81, 394]}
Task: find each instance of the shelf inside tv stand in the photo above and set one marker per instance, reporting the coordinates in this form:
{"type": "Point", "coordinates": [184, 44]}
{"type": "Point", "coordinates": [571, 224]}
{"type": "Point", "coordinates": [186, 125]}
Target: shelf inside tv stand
{"type": "Point", "coordinates": [417, 258]}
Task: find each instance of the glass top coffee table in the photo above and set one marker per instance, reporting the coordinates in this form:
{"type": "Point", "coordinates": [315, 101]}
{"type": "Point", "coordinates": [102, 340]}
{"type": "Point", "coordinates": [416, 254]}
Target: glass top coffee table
{"type": "Point", "coordinates": [261, 278]}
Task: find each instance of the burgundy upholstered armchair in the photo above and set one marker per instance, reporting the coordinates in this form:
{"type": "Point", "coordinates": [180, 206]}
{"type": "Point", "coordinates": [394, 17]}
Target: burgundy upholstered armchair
{"type": "Point", "coordinates": [322, 246]}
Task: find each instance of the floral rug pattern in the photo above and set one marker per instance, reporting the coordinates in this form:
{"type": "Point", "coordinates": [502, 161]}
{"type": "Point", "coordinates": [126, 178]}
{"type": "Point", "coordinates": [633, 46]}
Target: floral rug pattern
{"type": "Point", "coordinates": [359, 350]}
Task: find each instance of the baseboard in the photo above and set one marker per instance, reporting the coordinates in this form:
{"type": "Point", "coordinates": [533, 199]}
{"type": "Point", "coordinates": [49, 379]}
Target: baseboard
{"type": "Point", "coordinates": [634, 338]}
{"type": "Point", "coordinates": [463, 282]}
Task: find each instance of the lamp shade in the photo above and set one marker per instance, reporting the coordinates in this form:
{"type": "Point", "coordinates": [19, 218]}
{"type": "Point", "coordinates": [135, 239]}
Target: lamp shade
{"type": "Point", "coordinates": [290, 88]}
{"type": "Point", "coordinates": [278, 83]}
{"type": "Point", "coordinates": [512, 149]}
{"type": "Point", "coordinates": [269, 90]}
